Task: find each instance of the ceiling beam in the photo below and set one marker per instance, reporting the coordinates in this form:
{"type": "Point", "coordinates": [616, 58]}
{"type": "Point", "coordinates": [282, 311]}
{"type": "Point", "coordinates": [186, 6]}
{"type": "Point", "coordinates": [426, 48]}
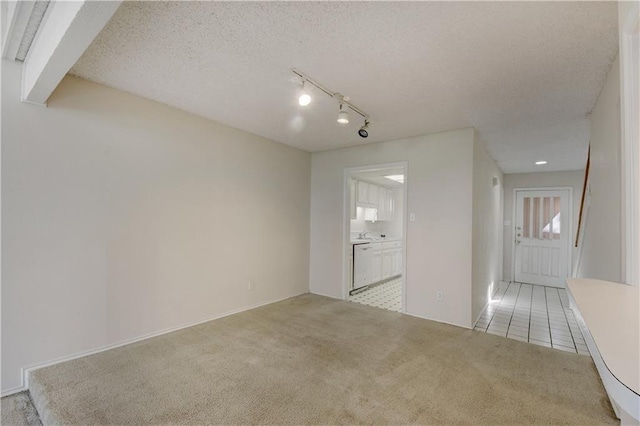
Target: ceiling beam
{"type": "Point", "coordinates": [67, 30]}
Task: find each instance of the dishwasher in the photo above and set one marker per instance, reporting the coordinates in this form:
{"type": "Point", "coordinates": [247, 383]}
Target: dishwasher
{"type": "Point", "coordinates": [362, 263]}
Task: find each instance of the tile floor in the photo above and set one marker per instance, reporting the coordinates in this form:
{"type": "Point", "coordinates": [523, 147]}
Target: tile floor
{"type": "Point", "coordinates": [534, 314]}
{"type": "Point", "coordinates": [387, 295]}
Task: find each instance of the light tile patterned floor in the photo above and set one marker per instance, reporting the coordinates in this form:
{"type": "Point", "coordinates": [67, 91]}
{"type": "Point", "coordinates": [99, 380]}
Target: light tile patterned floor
{"type": "Point", "coordinates": [387, 295]}
{"type": "Point", "coordinates": [534, 314]}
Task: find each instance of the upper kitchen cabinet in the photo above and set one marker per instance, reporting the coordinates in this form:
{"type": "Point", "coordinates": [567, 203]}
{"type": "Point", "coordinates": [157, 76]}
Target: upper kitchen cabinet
{"type": "Point", "coordinates": [385, 203]}
{"type": "Point", "coordinates": [367, 193]}
{"type": "Point", "coordinates": [378, 197]}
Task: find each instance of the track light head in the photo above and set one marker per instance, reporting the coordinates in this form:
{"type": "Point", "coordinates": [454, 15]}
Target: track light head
{"type": "Point", "coordinates": [343, 116]}
{"type": "Point", "coordinates": [304, 99]}
{"type": "Point", "coordinates": [363, 132]}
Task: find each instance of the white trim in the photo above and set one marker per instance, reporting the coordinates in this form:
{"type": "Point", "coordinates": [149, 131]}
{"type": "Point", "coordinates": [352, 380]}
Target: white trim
{"type": "Point", "coordinates": [26, 101]}
{"type": "Point", "coordinates": [493, 293]}
{"type": "Point", "coordinates": [480, 314]}
{"type": "Point", "coordinates": [66, 31]}
{"type": "Point", "coordinates": [630, 140]}
{"type": "Point", "coordinates": [27, 370]}
{"type": "Point", "coordinates": [18, 15]}
{"type": "Point", "coordinates": [317, 293]}
{"type": "Point", "coordinates": [346, 223]}
{"type": "Point", "coordinates": [569, 225]}
{"type": "Point", "coordinates": [437, 320]}
{"type": "Point", "coordinates": [11, 391]}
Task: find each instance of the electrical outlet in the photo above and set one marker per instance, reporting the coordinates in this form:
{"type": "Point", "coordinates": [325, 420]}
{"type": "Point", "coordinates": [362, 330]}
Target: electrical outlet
{"type": "Point", "coordinates": [440, 296]}
{"type": "Point", "coordinates": [250, 285]}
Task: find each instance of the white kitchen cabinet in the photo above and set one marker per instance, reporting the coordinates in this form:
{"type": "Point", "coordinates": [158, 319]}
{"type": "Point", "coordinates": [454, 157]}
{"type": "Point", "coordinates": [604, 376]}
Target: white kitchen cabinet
{"type": "Point", "coordinates": [368, 194]}
{"type": "Point", "coordinates": [386, 264]}
{"type": "Point", "coordinates": [375, 262]}
{"type": "Point", "coordinates": [392, 258]}
{"type": "Point", "coordinates": [373, 194]}
{"type": "Point", "coordinates": [363, 192]}
{"type": "Point", "coordinates": [376, 265]}
{"type": "Point", "coordinates": [385, 204]}
{"type": "Point", "coordinates": [373, 197]}
{"type": "Point", "coordinates": [382, 203]}
{"type": "Point", "coordinates": [396, 261]}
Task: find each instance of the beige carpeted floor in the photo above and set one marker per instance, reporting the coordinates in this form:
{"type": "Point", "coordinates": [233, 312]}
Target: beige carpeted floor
{"type": "Point", "coordinates": [315, 360]}
{"type": "Point", "coordinates": [18, 410]}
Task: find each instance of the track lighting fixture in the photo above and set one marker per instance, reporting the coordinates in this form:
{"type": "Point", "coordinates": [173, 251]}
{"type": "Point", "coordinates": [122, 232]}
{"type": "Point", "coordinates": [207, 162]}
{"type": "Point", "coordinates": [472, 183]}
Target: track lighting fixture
{"type": "Point", "coordinates": [363, 132]}
{"type": "Point", "coordinates": [343, 116]}
{"type": "Point", "coordinates": [304, 99]}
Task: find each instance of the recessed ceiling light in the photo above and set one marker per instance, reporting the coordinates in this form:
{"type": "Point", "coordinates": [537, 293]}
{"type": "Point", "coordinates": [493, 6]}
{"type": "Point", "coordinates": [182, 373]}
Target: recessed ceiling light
{"type": "Point", "coordinates": [397, 178]}
{"type": "Point", "coordinates": [539, 163]}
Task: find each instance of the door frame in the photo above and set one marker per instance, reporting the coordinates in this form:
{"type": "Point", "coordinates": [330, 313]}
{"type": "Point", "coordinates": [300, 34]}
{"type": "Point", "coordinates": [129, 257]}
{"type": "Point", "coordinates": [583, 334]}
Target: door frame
{"type": "Point", "coordinates": [346, 223]}
{"type": "Point", "coordinates": [569, 225]}
{"type": "Point", "coordinates": [630, 142]}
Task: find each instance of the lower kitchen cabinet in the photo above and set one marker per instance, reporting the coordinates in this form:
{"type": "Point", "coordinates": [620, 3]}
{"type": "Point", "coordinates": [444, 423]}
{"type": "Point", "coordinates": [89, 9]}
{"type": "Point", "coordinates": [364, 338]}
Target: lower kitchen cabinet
{"type": "Point", "coordinates": [376, 270]}
{"type": "Point", "coordinates": [396, 262]}
{"type": "Point", "coordinates": [375, 262]}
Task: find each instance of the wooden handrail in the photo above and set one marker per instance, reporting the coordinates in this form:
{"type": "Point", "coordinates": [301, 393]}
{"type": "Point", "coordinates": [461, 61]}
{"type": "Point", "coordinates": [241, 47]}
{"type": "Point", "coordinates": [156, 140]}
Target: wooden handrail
{"type": "Point", "coordinates": [584, 193]}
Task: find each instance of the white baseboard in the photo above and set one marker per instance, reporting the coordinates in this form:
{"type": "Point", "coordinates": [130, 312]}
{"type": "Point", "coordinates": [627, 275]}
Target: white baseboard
{"type": "Point", "coordinates": [27, 370]}
{"type": "Point", "coordinates": [437, 320]}
{"type": "Point", "coordinates": [325, 295]}
{"type": "Point", "coordinates": [480, 314]}
{"type": "Point", "coordinates": [12, 391]}
{"type": "Point", "coordinates": [495, 290]}
{"type": "Point", "coordinates": [406, 313]}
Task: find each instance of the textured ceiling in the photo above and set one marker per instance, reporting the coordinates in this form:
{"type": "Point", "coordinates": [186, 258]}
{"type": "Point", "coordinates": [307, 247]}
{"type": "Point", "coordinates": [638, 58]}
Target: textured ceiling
{"type": "Point", "coordinates": [525, 75]}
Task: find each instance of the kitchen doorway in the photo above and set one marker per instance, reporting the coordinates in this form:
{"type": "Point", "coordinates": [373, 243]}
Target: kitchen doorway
{"type": "Point", "coordinates": [375, 235]}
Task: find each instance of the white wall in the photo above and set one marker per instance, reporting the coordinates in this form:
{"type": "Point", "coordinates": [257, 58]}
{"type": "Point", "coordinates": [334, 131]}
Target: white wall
{"type": "Point", "coordinates": [122, 217]}
{"type": "Point", "coordinates": [573, 179]}
{"type": "Point", "coordinates": [601, 252]}
{"type": "Point", "coordinates": [487, 228]}
{"type": "Point", "coordinates": [439, 191]}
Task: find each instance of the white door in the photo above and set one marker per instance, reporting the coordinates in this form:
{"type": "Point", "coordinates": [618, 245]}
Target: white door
{"type": "Point", "coordinates": [542, 237]}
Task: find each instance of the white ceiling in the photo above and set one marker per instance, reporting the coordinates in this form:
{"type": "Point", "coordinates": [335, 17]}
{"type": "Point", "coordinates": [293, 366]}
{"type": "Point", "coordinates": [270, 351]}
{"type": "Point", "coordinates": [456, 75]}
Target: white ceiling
{"type": "Point", "coordinates": [525, 75]}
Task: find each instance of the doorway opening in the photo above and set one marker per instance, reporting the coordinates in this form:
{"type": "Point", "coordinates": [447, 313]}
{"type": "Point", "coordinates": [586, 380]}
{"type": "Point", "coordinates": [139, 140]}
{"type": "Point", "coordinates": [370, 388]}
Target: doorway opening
{"type": "Point", "coordinates": [542, 240]}
{"type": "Point", "coordinates": [375, 235]}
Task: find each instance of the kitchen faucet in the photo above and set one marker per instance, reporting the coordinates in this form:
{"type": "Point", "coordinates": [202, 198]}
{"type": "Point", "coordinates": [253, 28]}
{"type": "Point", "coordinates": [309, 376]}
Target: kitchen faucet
{"type": "Point", "coordinates": [363, 234]}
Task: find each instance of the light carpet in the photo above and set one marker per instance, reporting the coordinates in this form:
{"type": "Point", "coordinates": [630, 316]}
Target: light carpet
{"type": "Point", "coordinates": [315, 360]}
{"type": "Point", "coordinates": [18, 410]}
